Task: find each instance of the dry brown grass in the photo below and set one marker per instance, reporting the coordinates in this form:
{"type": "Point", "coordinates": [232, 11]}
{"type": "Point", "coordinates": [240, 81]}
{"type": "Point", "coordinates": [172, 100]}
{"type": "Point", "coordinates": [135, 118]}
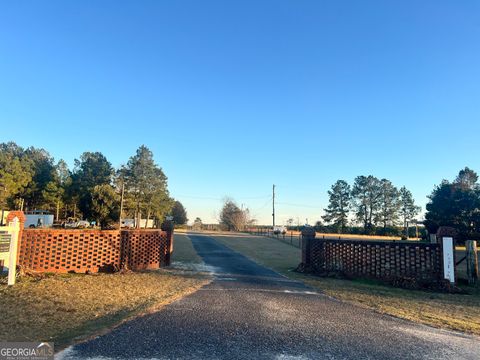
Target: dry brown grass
{"type": "Point", "coordinates": [65, 308]}
{"type": "Point", "coordinates": [451, 311]}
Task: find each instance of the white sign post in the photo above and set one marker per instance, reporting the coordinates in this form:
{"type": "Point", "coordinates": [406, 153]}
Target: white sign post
{"type": "Point", "coordinates": [448, 259]}
{"type": "Point", "coordinates": [9, 248]}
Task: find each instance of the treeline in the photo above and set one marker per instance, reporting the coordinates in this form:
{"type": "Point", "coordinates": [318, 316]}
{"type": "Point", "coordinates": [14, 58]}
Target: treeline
{"type": "Point", "coordinates": [397, 231]}
{"type": "Point", "coordinates": [376, 204]}
{"type": "Point", "coordinates": [381, 208]}
{"type": "Point", "coordinates": [456, 204]}
{"type": "Point", "coordinates": [31, 179]}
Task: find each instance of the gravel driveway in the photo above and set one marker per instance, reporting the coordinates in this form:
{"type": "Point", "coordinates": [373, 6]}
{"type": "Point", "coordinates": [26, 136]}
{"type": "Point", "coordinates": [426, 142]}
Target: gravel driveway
{"type": "Point", "coordinates": [250, 312]}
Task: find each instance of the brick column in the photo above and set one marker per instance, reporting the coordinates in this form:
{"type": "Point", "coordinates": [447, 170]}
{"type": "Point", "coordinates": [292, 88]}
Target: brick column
{"type": "Point", "coordinates": [21, 218]}
{"type": "Point", "coordinates": [168, 227]}
{"type": "Point", "coordinates": [308, 235]}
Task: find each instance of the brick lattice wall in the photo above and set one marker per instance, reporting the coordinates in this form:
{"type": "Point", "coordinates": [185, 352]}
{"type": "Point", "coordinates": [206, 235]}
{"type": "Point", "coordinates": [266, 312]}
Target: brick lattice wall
{"type": "Point", "coordinates": [93, 250]}
{"type": "Point", "coordinates": [145, 249]}
{"type": "Point", "coordinates": [385, 260]}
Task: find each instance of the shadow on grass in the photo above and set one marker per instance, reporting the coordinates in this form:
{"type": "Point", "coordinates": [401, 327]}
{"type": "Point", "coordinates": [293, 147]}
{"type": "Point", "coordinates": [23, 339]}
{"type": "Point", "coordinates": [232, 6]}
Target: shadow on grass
{"type": "Point", "coordinates": [97, 326]}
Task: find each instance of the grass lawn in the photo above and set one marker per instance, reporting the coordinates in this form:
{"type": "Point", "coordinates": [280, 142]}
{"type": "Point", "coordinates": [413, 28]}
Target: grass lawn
{"type": "Point", "coordinates": [183, 250]}
{"type": "Point", "coordinates": [451, 311]}
{"type": "Point", "coordinates": [67, 308]}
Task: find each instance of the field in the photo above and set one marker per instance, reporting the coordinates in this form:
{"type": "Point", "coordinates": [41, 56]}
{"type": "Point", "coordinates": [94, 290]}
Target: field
{"type": "Point", "coordinates": [451, 311]}
{"type": "Point", "coordinates": [183, 251]}
{"type": "Point", "coordinates": [296, 234]}
{"type": "Point", "coordinates": [70, 307]}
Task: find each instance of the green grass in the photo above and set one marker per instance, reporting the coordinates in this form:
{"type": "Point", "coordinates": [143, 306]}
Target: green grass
{"type": "Point", "coordinates": [183, 250]}
{"type": "Point", "coordinates": [451, 311]}
{"type": "Point", "coordinates": [269, 252]}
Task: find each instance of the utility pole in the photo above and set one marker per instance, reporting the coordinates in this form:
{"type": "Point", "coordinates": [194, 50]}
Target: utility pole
{"type": "Point", "coordinates": [121, 208]}
{"type": "Point", "coordinates": [273, 207]}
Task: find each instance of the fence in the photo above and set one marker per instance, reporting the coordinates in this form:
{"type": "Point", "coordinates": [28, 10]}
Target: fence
{"type": "Point", "coordinates": [294, 239]}
{"type": "Point", "coordinates": [94, 250]}
{"type": "Point", "coordinates": [384, 260]}
{"type": "Point", "coordinates": [391, 260]}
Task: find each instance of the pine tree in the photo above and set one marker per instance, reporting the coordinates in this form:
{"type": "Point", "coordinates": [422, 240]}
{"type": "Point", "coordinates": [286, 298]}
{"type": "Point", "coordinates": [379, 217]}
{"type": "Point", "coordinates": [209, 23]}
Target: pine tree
{"type": "Point", "coordinates": [366, 193]}
{"type": "Point", "coordinates": [146, 185]}
{"type": "Point", "coordinates": [408, 209]}
{"type": "Point", "coordinates": [389, 204]}
{"type": "Point", "coordinates": [105, 205]}
{"type": "Point", "coordinates": [338, 207]}
{"type": "Point", "coordinates": [455, 204]}
{"type": "Point", "coordinates": [179, 213]}
{"type": "Point", "coordinates": [91, 169]}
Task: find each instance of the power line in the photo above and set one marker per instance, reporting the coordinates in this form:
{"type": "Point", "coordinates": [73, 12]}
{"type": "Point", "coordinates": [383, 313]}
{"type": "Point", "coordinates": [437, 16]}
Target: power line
{"type": "Point", "coordinates": [255, 197]}
{"type": "Point", "coordinates": [198, 197]}
{"type": "Point", "coordinates": [298, 205]}
{"type": "Point", "coordinates": [220, 199]}
{"type": "Point", "coordinates": [263, 206]}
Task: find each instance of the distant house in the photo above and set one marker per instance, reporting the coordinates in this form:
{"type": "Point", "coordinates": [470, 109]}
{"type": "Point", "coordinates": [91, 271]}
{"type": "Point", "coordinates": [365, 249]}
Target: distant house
{"type": "Point", "coordinates": [130, 223]}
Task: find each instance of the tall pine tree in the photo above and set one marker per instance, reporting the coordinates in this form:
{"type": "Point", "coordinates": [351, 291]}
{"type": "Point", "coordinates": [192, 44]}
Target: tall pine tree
{"type": "Point", "coordinates": [408, 209]}
{"type": "Point", "coordinates": [366, 195]}
{"type": "Point", "coordinates": [388, 204]}
{"type": "Point", "coordinates": [337, 211]}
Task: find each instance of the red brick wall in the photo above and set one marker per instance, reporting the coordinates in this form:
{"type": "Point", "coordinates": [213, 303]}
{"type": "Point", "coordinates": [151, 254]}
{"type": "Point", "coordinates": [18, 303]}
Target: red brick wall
{"type": "Point", "coordinates": [16, 214]}
{"type": "Point", "coordinates": [21, 217]}
{"type": "Point", "coordinates": [93, 250]}
{"type": "Point", "coordinates": [145, 249]}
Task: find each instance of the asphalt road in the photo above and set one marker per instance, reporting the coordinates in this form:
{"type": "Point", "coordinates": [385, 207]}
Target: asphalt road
{"type": "Point", "coordinates": [250, 312]}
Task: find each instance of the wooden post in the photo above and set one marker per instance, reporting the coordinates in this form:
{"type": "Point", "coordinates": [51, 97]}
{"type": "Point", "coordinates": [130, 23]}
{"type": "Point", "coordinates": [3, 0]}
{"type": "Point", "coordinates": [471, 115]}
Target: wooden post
{"type": "Point", "coordinates": [472, 261]}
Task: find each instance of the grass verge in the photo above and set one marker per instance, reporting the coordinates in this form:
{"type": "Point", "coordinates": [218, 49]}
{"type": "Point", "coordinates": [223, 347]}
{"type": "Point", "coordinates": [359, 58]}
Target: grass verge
{"type": "Point", "coordinates": [183, 250]}
{"type": "Point", "coordinates": [450, 311]}
{"type": "Point", "coordinates": [72, 307]}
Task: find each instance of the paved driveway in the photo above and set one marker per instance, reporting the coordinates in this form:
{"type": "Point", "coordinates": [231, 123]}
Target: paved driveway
{"type": "Point", "coordinates": [250, 312]}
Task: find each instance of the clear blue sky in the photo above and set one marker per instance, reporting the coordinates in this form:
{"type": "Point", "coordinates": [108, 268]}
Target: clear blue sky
{"type": "Point", "coordinates": [233, 96]}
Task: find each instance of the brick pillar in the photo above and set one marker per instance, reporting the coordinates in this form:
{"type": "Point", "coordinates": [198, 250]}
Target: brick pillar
{"type": "Point", "coordinates": [19, 214]}
{"type": "Point", "coordinates": [21, 218]}
{"type": "Point", "coordinates": [168, 226]}
{"type": "Point", "coordinates": [308, 235]}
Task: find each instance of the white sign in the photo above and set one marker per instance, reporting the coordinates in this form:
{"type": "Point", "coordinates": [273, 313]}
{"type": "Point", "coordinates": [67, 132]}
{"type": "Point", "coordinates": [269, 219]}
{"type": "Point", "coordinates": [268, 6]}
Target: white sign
{"type": "Point", "coordinates": [448, 259]}
{"type": "Point", "coordinates": [9, 248]}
